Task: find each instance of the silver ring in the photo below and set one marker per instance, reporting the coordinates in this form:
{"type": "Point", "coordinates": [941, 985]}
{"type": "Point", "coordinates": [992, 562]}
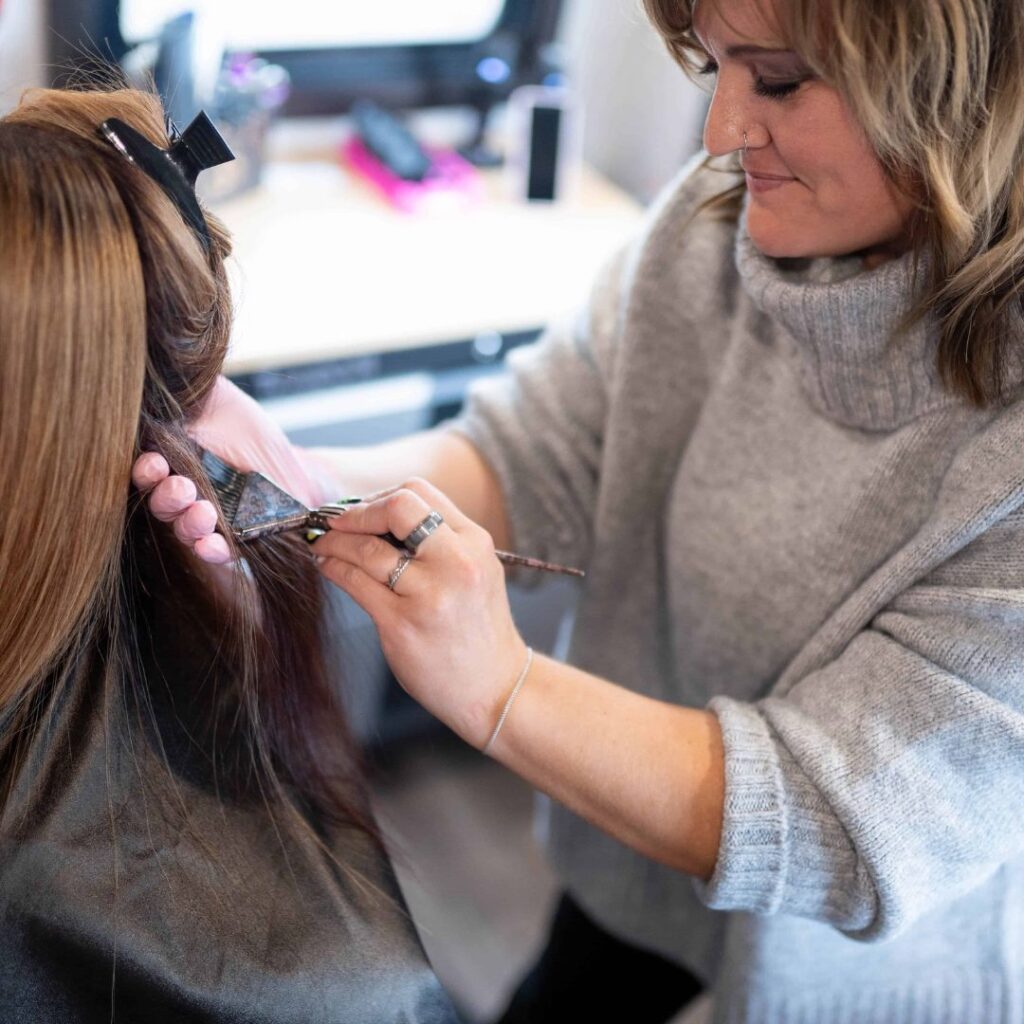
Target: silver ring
{"type": "Point", "coordinates": [422, 532]}
{"type": "Point", "coordinates": [744, 142]}
{"type": "Point", "coordinates": [396, 573]}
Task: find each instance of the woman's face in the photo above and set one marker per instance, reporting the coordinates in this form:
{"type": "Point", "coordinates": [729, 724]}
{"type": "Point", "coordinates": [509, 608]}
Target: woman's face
{"type": "Point", "coordinates": [816, 187]}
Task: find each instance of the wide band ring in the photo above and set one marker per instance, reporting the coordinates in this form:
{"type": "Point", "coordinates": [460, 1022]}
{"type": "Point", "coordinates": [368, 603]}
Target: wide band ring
{"type": "Point", "coordinates": [396, 574]}
{"type": "Point", "coordinates": [422, 532]}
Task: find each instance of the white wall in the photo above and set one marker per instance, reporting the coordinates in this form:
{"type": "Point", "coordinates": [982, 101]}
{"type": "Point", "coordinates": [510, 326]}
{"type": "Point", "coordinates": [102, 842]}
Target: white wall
{"type": "Point", "coordinates": [644, 117]}
{"type": "Point", "coordinates": [21, 48]}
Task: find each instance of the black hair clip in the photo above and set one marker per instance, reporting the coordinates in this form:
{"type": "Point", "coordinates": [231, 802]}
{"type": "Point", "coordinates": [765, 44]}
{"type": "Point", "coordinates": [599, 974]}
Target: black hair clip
{"type": "Point", "coordinates": [199, 147]}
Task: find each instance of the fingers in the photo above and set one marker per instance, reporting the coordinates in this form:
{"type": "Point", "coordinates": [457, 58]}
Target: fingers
{"type": "Point", "coordinates": [375, 600]}
{"type": "Point", "coordinates": [440, 501]}
{"type": "Point", "coordinates": [213, 548]}
{"type": "Point", "coordinates": [198, 520]}
{"type": "Point", "coordinates": [398, 513]}
{"type": "Point", "coordinates": [149, 469]}
{"type": "Point", "coordinates": [172, 499]}
{"type": "Point", "coordinates": [401, 510]}
{"type": "Point", "coordinates": [434, 499]}
{"type": "Point", "coordinates": [374, 556]}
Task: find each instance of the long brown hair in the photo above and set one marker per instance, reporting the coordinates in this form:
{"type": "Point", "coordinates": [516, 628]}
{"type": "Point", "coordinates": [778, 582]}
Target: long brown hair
{"type": "Point", "coordinates": [938, 88]}
{"type": "Point", "coordinates": [114, 322]}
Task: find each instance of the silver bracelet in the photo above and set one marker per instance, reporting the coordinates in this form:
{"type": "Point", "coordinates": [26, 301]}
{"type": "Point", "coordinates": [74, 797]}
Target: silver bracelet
{"type": "Point", "coordinates": [508, 703]}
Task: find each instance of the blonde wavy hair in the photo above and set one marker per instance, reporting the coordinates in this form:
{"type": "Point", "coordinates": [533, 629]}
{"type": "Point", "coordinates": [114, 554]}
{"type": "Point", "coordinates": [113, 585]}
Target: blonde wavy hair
{"type": "Point", "coordinates": [938, 88]}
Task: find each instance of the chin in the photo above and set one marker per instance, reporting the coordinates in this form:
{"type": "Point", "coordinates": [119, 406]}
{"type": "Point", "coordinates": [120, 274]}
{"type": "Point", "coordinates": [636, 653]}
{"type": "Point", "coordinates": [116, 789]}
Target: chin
{"type": "Point", "coordinates": [771, 244]}
{"type": "Point", "coordinates": [777, 251]}
{"type": "Point", "coordinates": [778, 240]}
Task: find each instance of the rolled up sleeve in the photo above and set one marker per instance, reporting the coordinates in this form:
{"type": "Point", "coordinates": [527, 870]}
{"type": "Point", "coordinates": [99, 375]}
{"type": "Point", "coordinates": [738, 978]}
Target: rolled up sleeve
{"type": "Point", "coordinates": [891, 780]}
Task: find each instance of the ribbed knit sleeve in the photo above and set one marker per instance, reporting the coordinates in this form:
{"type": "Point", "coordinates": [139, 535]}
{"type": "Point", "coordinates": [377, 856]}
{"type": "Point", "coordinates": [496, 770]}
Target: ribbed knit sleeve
{"type": "Point", "coordinates": [891, 780]}
{"type": "Point", "coordinates": [541, 425]}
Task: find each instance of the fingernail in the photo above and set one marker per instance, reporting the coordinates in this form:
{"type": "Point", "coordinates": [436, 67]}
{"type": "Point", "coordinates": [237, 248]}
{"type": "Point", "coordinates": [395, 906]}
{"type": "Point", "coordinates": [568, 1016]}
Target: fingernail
{"type": "Point", "coordinates": [181, 488]}
{"type": "Point", "coordinates": [319, 559]}
{"type": "Point", "coordinates": [334, 509]}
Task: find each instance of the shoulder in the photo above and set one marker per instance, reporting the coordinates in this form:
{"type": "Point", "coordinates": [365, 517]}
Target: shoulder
{"type": "Point", "coordinates": [685, 231]}
{"type": "Point", "coordinates": [674, 228]}
{"type": "Point", "coordinates": [697, 182]}
{"type": "Point", "coordinates": [681, 267]}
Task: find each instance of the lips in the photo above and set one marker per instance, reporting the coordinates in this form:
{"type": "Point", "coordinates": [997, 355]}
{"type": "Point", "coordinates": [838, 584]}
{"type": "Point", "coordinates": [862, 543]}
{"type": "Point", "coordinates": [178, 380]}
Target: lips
{"type": "Point", "coordinates": [767, 177]}
{"type": "Point", "coordinates": [761, 184]}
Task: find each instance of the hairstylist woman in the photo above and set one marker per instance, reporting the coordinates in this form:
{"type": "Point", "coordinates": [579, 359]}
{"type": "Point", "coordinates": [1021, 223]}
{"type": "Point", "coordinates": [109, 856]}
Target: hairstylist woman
{"type": "Point", "coordinates": [785, 442]}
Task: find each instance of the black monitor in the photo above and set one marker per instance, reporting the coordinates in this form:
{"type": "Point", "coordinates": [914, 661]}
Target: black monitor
{"type": "Point", "coordinates": [475, 54]}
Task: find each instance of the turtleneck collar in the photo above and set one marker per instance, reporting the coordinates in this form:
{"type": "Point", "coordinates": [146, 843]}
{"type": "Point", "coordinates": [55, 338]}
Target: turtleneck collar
{"type": "Point", "coordinates": [838, 322]}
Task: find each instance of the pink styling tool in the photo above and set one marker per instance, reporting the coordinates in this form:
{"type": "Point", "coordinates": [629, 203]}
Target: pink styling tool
{"type": "Point", "coordinates": [451, 182]}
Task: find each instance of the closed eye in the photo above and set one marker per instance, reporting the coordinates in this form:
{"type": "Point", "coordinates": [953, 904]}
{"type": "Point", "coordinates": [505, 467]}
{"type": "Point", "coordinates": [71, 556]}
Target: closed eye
{"type": "Point", "coordinates": [775, 90]}
{"type": "Point", "coordinates": [762, 86]}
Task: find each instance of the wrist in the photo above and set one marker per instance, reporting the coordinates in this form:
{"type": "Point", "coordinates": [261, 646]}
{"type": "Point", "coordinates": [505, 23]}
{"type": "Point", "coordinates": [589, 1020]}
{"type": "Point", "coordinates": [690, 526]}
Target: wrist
{"type": "Point", "coordinates": [487, 718]}
{"type": "Point", "coordinates": [507, 706]}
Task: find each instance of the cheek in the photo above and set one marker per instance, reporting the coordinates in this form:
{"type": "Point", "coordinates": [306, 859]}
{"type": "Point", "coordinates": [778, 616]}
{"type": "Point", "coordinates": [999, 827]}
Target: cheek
{"type": "Point", "coordinates": [858, 197]}
{"type": "Point", "coordinates": [831, 154]}
{"type": "Point", "coordinates": [847, 164]}
{"type": "Point", "coordinates": [845, 201]}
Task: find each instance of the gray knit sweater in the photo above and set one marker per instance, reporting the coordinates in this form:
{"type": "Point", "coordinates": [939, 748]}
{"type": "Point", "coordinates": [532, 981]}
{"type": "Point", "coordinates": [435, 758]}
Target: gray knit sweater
{"type": "Point", "coordinates": [787, 519]}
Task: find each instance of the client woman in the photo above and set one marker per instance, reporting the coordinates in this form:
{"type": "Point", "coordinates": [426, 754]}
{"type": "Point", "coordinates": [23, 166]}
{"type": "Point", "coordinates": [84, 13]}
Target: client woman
{"type": "Point", "coordinates": [183, 836]}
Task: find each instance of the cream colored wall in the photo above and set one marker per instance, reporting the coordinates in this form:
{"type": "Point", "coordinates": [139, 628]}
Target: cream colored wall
{"type": "Point", "coordinates": [644, 117]}
{"type": "Point", "coordinates": [21, 48]}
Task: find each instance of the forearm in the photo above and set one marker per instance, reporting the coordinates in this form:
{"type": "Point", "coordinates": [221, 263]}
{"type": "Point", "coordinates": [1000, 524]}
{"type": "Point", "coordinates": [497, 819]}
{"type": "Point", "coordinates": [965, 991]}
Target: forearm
{"type": "Point", "coordinates": [447, 460]}
{"type": "Point", "coordinates": [648, 773]}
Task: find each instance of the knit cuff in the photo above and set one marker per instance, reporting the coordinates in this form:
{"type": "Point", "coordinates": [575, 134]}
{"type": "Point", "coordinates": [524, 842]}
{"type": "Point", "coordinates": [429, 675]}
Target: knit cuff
{"type": "Point", "coordinates": [751, 869]}
{"type": "Point", "coordinates": [783, 849]}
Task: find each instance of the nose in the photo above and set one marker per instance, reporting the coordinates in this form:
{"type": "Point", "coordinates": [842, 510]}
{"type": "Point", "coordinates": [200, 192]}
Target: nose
{"type": "Point", "coordinates": [729, 117]}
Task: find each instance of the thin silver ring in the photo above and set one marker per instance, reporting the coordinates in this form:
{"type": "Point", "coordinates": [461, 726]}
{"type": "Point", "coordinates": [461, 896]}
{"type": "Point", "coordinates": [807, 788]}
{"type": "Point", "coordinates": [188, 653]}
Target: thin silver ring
{"type": "Point", "coordinates": [396, 574]}
{"type": "Point", "coordinates": [429, 524]}
{"type": "Point", "coordinates": [744, 142]}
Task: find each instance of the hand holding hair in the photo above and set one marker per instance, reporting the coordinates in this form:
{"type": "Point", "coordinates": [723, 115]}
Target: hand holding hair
{"type": "Point", "coordinates": [237, 429]}
{"type": "Point", "coordinates": [173, 500]}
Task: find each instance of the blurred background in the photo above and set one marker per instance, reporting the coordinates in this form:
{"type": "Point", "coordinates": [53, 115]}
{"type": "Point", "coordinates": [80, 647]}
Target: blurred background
{"type": "Point", "coordinates": [419, 188]}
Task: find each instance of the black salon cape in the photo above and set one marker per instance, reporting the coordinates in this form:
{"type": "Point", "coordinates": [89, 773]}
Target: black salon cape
{"type": "Point", "coordinates": [124, 898]}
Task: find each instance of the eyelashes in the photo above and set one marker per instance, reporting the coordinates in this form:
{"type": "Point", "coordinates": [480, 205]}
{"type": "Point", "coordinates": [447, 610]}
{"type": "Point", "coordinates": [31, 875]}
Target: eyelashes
{"type": "Point", "coordinates": [773, 90]}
